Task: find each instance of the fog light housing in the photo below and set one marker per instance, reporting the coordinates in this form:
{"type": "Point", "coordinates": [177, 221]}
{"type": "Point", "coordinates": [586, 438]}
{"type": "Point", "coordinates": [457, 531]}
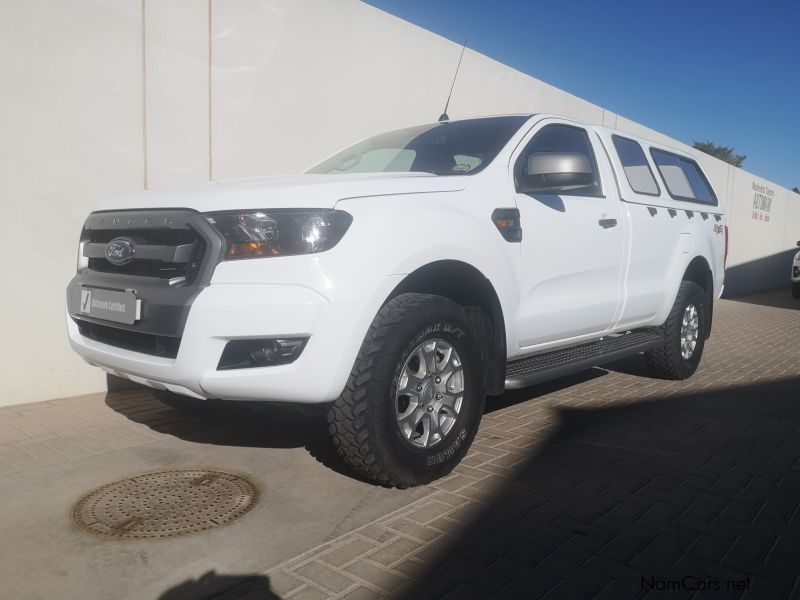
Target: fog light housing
{"type": "Point", "coordinates": [269, 352]}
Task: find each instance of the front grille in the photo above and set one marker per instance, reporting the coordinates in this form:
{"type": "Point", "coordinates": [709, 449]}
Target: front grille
{"type": "Point", "coordinates": [168, 256]}
{"type": "Point", "coordinates": [146, 343]}
{"type": "Point", "coordinates": [162, 253]}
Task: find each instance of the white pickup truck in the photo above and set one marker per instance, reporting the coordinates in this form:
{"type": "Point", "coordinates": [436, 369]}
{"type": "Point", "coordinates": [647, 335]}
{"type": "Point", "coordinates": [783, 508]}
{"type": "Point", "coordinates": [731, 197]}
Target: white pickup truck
{"type": "Point", "coordinates": [403, 279]}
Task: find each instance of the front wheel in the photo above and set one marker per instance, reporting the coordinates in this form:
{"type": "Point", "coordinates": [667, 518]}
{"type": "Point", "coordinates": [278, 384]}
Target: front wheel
{"type": "Point", "coordinates": [684, 332]}
{"type": "Point", "coordinates": [415, 396]}
{"type": "Point", "coordinates": [796, 289]}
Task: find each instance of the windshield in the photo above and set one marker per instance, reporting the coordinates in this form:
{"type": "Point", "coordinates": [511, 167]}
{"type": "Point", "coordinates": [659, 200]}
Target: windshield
{"type": "Point", "coordinates": [457, 148]}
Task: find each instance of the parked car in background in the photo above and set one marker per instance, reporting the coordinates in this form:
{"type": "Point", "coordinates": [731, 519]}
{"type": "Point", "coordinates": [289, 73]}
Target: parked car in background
{"type": "Point", "coordinates": [796, 275]}
{"type": "Point", "coordinates": [400, 281]}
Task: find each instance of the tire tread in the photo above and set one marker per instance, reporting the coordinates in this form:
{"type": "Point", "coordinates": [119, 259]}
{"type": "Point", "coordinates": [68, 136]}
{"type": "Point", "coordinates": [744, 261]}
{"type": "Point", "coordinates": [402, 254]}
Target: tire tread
{"type": "Point", "coordinates": [666, 361]}
{"type": "Point", "coordinates": [347, 422]}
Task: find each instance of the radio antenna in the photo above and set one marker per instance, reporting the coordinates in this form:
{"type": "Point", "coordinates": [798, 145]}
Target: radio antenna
{"type": "Point", "coordinates": [444, 118]}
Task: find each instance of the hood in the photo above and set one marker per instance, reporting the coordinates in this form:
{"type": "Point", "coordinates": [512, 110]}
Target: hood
{"type": "Point", "coordinates": [301, 191]}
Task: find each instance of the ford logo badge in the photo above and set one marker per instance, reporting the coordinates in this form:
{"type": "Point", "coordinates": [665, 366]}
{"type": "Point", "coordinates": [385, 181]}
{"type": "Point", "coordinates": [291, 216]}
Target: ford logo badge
{"type": "Point", "coordinates": [119, 251]}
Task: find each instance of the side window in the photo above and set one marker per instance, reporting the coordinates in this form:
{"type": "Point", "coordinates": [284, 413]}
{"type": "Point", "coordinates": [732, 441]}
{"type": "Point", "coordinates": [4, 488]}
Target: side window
{"type": "Point", "coordinates": [684, 179]}
{"type": "Point", "coordinates": [634, 163]}
{"type": "Point", "coordinates": [562, 139]}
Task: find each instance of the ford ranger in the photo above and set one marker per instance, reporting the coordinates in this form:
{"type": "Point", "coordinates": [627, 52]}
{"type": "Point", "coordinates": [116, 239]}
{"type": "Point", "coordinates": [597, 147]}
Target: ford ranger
{"type": "Point", "coordinates": [402, 280]}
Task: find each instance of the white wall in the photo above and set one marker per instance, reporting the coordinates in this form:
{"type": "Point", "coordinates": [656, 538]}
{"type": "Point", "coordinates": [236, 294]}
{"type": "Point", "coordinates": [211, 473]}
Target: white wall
{"type": "Point", "coordinates": [176, 44]}
{"type": "Point", "coordinates": [91, 87]}
{"type": "Point", "coordinates": [70, 132]}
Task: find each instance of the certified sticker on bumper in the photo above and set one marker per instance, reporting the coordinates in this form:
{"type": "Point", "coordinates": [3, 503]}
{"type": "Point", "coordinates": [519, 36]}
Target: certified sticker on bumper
{"type": "Point", "coordinates": [110, 305]}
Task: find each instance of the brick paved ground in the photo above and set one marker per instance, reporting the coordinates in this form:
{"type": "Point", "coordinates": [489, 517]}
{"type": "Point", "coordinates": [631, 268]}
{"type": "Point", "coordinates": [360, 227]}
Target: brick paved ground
{"type": "Point", "coordinates": [607, 485]}
{"type": "Point", "coordinates": [599, 485]}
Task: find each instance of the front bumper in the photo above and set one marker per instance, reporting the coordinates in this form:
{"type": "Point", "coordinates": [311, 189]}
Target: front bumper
{"type": "Point", "coordinates": [335, 317]}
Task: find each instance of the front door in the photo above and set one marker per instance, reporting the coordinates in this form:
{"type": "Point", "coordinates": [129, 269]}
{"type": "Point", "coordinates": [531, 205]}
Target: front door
{"type": "Point", "coordinates": [572, 244]}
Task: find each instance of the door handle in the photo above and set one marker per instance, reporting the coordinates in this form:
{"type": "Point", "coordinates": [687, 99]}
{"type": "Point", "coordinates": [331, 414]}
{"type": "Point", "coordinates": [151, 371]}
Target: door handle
{"type": "Point", "coordinates": [606, 223]}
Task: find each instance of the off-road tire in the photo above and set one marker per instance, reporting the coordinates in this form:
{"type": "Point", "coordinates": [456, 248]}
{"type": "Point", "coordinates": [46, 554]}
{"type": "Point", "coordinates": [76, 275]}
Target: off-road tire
{"type": "Point", "coordinates": [667, 362]}
{"type": "Point", "coordinates": [363, 423]}
{"type": "Point", "coordinates": [796, 289]}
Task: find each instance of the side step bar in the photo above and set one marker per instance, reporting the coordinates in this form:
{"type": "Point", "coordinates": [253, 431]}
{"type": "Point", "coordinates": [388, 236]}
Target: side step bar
{"type": "Point", "coordinates": [536, 368]}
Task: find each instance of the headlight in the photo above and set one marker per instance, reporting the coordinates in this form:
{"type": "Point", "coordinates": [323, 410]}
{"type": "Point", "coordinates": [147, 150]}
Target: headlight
{"type": "Point", "coordinates": [279, 232]}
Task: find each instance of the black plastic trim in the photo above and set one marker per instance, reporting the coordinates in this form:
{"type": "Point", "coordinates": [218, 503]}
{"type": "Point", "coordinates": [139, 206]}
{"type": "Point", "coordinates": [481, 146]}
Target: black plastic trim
{"type": "Point", "coordinates": [165, 308]}
{"type": "Point", "coordinates": [544, 366]}
{"type": "Point", "coordinates": [154, 345]}
{"type": "Point", "coordinates": [236, 354]}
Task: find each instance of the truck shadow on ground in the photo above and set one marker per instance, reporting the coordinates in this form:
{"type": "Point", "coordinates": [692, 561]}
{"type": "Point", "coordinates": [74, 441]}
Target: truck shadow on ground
{"type": "Point", "coordinates": [232, 423]}
{"type": "Point", "coordinates": [512, 397]}
{"type": "Point", "coordinates": [679, 494]}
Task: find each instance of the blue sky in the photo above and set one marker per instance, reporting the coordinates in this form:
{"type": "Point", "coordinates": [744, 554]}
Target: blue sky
{"type": "Point", "coordinates": [699, 70]}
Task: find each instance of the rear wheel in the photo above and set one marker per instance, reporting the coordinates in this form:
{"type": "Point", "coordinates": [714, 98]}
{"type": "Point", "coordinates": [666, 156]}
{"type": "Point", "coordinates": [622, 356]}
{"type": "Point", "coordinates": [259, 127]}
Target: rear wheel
{"type": "Point", "coordinates": [685, 332]}
{"type": "Point", "coordinates": [415, 396]}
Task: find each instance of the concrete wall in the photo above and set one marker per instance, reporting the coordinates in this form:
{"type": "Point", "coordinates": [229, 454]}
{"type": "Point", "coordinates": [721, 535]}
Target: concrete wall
{"type": "Point", "coordinates": [71, 129]}
{"type": "Point", "coordinates": [103, 97]}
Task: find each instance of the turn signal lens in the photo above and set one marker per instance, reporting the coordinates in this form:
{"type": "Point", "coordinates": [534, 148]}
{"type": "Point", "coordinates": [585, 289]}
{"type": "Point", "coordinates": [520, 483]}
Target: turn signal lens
{"type": "Point", "coordinates": [249, 250]}
{"type": "Point", "coordinates": [507, 221]}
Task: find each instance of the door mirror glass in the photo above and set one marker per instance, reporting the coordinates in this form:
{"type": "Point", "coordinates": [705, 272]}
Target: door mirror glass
{"type": "Point", "coordinates": [556, 172]}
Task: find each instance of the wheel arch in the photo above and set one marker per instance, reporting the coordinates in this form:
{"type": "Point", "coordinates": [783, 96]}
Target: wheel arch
{"type": "Point", "coordinates": [469, 287]}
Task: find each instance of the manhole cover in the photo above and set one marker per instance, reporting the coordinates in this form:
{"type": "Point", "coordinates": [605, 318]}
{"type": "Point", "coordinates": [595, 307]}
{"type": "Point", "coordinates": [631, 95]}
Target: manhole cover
{"type": "Point", "coordinates": [165, 504]}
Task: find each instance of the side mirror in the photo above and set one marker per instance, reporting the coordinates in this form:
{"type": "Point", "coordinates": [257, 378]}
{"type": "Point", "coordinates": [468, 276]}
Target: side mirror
{"type": "Point", "coordinates": [555, 172]}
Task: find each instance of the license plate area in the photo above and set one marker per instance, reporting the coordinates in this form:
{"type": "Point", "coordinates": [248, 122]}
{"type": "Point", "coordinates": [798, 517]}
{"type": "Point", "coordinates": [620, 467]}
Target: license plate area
{"type": "Point", "coordinates": [119, 306]}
